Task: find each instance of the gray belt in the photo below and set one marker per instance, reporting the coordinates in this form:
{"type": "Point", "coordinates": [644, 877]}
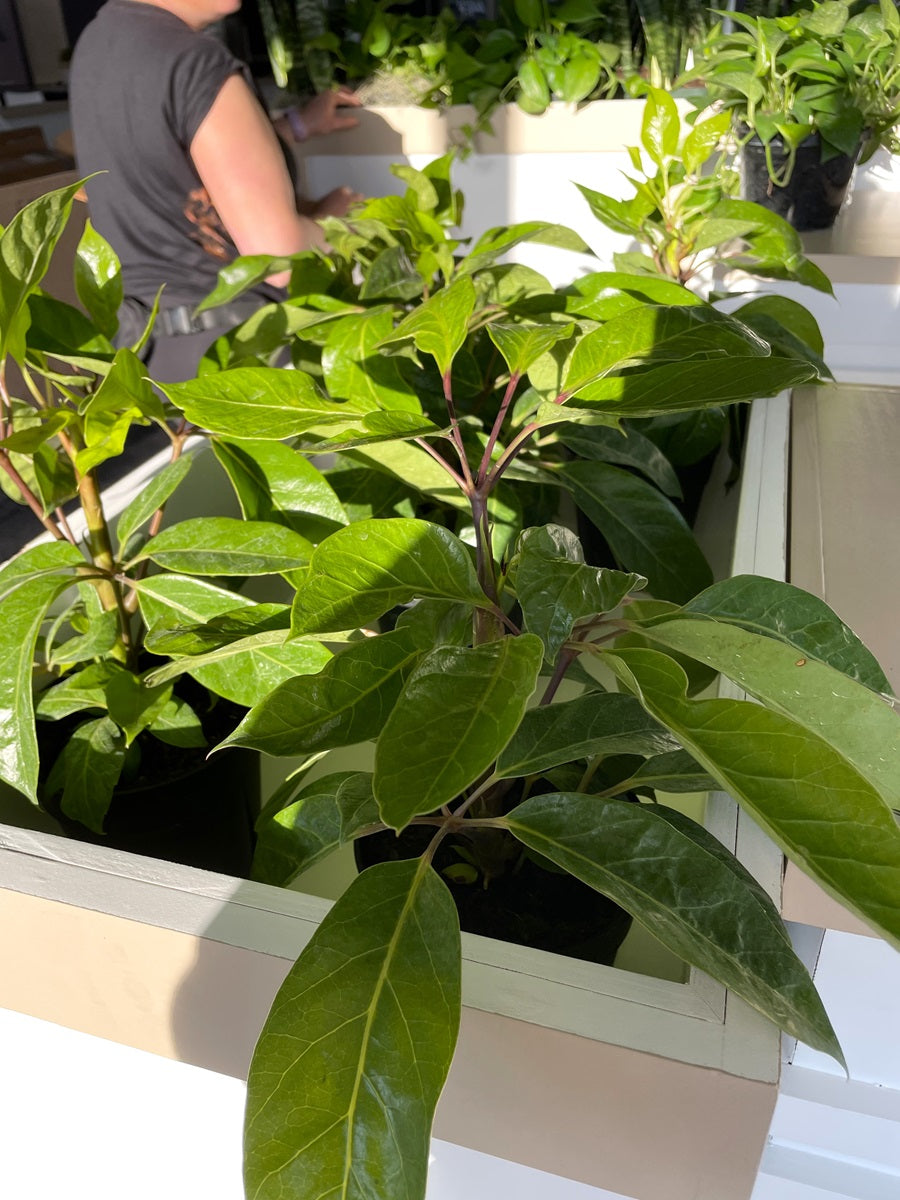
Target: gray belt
{"type": "Point", "coordinates": [181, 320]}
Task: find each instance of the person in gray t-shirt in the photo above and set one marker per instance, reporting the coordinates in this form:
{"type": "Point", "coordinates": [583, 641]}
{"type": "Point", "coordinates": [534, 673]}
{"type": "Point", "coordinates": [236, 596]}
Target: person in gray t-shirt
{"type": "Point", "coordinates": [195, 173]}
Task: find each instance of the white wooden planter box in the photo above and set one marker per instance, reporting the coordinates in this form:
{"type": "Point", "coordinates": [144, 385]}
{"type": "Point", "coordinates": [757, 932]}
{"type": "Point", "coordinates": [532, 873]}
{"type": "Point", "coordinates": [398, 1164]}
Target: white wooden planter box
{"type": "Point", "coordinates": [653, 1088]}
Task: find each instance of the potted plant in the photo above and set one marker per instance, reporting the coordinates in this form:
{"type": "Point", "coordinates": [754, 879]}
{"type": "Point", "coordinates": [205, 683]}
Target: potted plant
{"type": "Point", "coordinates": [94, 745]}
{"type": "Point", "coordinates": [811, 94]}
{"type": "Point", "coordinates": [351, 1062]}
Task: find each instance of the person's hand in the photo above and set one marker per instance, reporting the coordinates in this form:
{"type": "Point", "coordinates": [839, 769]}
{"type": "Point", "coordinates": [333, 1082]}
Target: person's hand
{"type": "Point", "coordinates": [323, 114]}
{"type": "Point", "coordinates": [337, 203]}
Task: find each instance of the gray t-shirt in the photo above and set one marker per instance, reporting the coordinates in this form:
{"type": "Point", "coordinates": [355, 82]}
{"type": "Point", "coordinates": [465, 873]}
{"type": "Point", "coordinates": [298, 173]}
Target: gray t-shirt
{"type": "Point", "coordinates": [141, 83]}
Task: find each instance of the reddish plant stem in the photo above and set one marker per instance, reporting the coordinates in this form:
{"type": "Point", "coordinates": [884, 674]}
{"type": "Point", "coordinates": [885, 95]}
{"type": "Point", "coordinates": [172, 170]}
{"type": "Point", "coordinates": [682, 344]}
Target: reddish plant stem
{"type": "Point", "coordinates": [456, 434]}
{"type": "Point", "coordinates": [498, 425]}
{"type": "Point", "coordinates": [454, 475]}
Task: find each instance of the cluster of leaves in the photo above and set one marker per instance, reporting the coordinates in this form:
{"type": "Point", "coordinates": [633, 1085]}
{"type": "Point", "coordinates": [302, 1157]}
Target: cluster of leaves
{"type": "Point", "coordinates": [832, 69]}
{"type": "Point", "coordinates": [685, 214]}
{"type": "Point", "coordinates": [68, 400]}
{"type": "Point", "coordinates": [534, 52]}
{"type": "Point", "coordinates": [396, 251]}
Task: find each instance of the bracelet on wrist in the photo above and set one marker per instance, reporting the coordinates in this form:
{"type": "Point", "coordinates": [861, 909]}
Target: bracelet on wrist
{"type": "Point", "coordinates": [299, 130]}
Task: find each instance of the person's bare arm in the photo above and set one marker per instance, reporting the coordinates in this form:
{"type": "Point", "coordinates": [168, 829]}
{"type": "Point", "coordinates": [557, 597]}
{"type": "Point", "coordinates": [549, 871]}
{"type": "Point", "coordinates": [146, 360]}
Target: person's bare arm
{"type": "Point", "coordinates": [240, 164]}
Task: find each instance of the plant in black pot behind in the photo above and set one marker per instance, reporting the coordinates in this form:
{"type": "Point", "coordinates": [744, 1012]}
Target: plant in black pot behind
{"type": "Point", "coordinates": [93, 741]}
{"type": "Point", "coordinates": [473, 739]}
{"type": "Point", "coordinates": [811, 94]}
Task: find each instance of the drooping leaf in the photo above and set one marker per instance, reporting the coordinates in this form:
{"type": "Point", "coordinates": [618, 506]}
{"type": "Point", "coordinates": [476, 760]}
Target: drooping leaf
{"type": "Point", "coordinates": [132, 705]}
{"type": "Point", "coordinates": [695, 897]}
{"type": "Point", "coordinates": [82, 690]}
{"type": "Point", "coordinates": [353, 1056]}
{"type": "Point", "coordinates": [29, 584]}
{"type": "Point", "coordinates": [628, 448]}
{"type": "Point", "coordinates": [177, 724]}
{"type": "Point", "coordinates": [88, 770]}
{"type": "Point", "coordinates": [802, 791]}
{"type": "Point", "coordinates": [319, 818]}
{"type": "Point", "coordinates": [556, 588]}
{"type": "Point", "coordinates": [795, 617]}
{"type": "Point", "coordinates": [645, 531]}
{"type": "Point", "coordinates": [599, 723]}
{"type": "Point", "coordinates": [360, 572]}
{"type": "Point", "coordinates": [346, 702]}
{"type": "Point", "coordinates": [227, 546]}
{"type": "Point", "coordinates": [455, 714]}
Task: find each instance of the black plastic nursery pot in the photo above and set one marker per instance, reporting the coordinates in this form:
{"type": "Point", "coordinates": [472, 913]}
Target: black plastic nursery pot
{"type": "Point", "coordinates": [815, 190]}
{"type": "Point", "coordinates": [528, 905]}
{"type": "Point", "coordinates": [182, 808]}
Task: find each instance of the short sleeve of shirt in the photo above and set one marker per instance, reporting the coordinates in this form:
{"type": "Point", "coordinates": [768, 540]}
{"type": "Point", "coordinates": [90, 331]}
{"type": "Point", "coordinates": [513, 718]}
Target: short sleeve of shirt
{"type": "Point", "coordinates": [197, 78]}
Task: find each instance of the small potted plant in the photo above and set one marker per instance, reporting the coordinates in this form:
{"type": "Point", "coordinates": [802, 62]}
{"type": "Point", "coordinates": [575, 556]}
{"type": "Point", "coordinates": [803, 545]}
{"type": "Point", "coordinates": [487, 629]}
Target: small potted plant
{"type": "Point", "coordinates": [353, 1057]}
{"type": "Point", "coordinates": [113, 760]}
{"type": "Point", "coordinates": [812, 93]}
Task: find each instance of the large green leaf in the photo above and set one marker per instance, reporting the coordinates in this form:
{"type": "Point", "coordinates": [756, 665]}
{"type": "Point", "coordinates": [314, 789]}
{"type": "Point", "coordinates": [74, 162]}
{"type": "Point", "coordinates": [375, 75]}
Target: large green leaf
{"type": "Point", "coordinates": [660, 126]}
{"type": "Point", "coordinates": [354, 369]}
{"type": "Point", "coordinates": [348, 701]}
{"type": "Point", "coordinates": [555, 587]}
{"type": "Point", "coordinates": [88, 770]}
{"type": "Point", "coordinates": [499, 240]}
{"type": "Point", "coordinates": [599, 723]}
{"type": "Point", "coordinates": [227, 546]}
{"type": "Point", "coordinates": [681, 387]}
{"type": "Point", "coordinates": [851, 718]}
{"type": "Point", "coordinates": [28, 586]}
{"type": "Point", "coordinates": [360, 572]}
{"type": "Point", "coordinates": [440, 324]}
{"type": "Point", "coordinates": [356, 1049]}
{"type": "Point", "coordinates": [658, 333]}
{"type": "Point", "coordinates": [260, 402]}
{"type": "Point", "coordinates": [275, 483]}
{"type": "Point", "coordinates": [26, 246]}
{"type": "Point", "coordinates": [318, 819]}
{"type": "Point", "coordinates": [694, 896]}
{"type": "Point", "coordinates": [245, 677]}
{"type": "Point", "coordinates": [456, 713]}
{"type": "Point", "coordinates": [132, 705]}
{"type": "Point", "coordinates": [803, 621]}
{"type": "Point", "coordinates": [645, 531]}
{"type": "Point", "coordinates": [802, 791]}
{"type": "Point", "coordinates": [521, 345]}
{"type": "Point", "coordinates": [607, 294]}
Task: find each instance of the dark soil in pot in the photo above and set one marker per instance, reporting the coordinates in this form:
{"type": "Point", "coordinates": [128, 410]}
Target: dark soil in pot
{"type": "Point", "coordinates": [179, 807]}
{"type": "Point", "coordinates": [528, 905]}
{"type": "Point", "coordinates": [815, 191]}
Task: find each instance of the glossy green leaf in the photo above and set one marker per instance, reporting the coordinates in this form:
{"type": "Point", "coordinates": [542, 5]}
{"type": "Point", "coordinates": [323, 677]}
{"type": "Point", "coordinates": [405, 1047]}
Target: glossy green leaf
{"type": "Point", "coordinates": [521, 345]}
{"type": "Point", "coordinates": [241, 275]}
{"type": "Point", "coordinates": [599, 723]}
{"type": "Point", "coordinates": [88, 770]}
{"type": "Point", "coordinates": [607, 294]}
{"type": "Point", "coordinates": [244, 673]}
{"type": "Point", "coordinates": [29, 584]}
{"type": "Point", "coordinates": [861, 726]}
{"type": "Point", "coordinates": [803, 792]}
{"type": "Point", "coordinates": [322, 816]}
{"type": "Point", "coordinates": [497, 241]}
{"type": "Point", "coordinates": [614, 213]}
{"type": "Point", "coordinates": [660, 126]}
{"type": "Point", "coordinates": [227, 546]}
{"type": "Point", "coordinates": [99, 639]}
{"type": "Point", "coordinates": [275, 483]}
{"type": "Point", "coordinates": [439, 325]}
{"type": "Point", "coordinates": [26, 246]}
{"type": "Point", "coordinates": [456, 713]}
{"type": "Point", "coordinates": [414, 468]}
{"type": "Point", "coordinates": [177, 724]}
{"type": "Point", "coordinates": [799, 619]}
{"type": "Point", "coordinates": [645, 531]}
{"type": "Point", "coordinates": [354, 1054]}
{"type": "Point", "coordinates": [226, 629]}
{"type": "Point", "coordinates": [98, 280]}
{"type": "Point", "coordinates": [703, 140]}
{"type": "Point", "coordinates": [77, 692]}
{"type": "Point", "coordinates": [628, 448]}
{"type": "Point", "coordinates": [259, 402]}
{"type": "Point", "coordinates": [682, 885]}
{"type": "Point", "coordinates": [556, 588]}
{"type": "Point", "coordinates": [346, 702]}
{"type": "Point", "coordinates": [29, 439]}
{"type": "Point", "coordinates": [686, 386]}
{"type": "Point", "coordinates": [354, 369]}
{"type": "Point", "coordinates": [657, 333]}
{"type": "Point", "coordinates": [360, 572]}
{"type": "Point", "coordinates": [152, 496]}
{"type": "Point", "coordinates": [673, 772]}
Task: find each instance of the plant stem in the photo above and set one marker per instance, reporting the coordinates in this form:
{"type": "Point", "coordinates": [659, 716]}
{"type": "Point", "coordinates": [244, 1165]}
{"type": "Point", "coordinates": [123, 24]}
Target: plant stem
{"type": "Point", "coordinates": [454, 475]}
{"type": "Point", "coordinates": [102, 556]}
{"type": "Point", "coordinates": [510, 453]}
{"type": "Point", "coordinates": [564, 660]}
{"type": "Point", "coordinates": [456, 434]}
{"type": "Point", "coordinates": [498, 425]}
{"type": "Point", "coordinates": [29, 497]}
